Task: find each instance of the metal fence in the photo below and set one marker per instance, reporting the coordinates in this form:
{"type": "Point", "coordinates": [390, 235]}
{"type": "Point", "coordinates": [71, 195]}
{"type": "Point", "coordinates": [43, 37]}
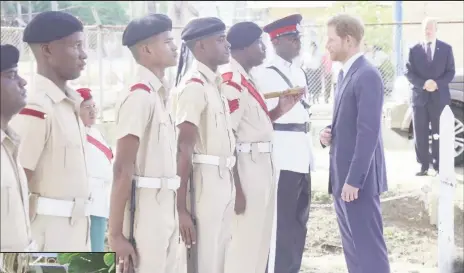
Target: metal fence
{"type": "Point", "coordinates": [110, 66]}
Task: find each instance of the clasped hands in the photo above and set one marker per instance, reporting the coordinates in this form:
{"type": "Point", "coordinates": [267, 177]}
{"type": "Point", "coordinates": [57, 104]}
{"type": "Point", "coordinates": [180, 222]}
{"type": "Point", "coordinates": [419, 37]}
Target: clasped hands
{"type": "Point", "coordinates": [430, 86]}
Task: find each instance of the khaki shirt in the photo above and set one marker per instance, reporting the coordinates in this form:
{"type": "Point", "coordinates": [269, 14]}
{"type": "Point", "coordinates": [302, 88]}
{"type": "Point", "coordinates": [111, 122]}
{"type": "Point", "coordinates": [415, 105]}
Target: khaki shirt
{"type": "Point", "coordinates": [52, 142]}
{"type": "Point", "coordinates": [145, 113]}
{"type": "Point", "coordinates": [200, 102]}
{"type": "Point", "coordinates": [249, 113]}
{"type": "Point", "coordinates": [15, 224]}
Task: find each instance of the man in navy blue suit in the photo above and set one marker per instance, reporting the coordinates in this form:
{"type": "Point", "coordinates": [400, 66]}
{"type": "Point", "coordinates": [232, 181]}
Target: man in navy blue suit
{"type": "Point", "coordinates": [357, 174]}
{"type": "Point", "coordinates": [430, 69]}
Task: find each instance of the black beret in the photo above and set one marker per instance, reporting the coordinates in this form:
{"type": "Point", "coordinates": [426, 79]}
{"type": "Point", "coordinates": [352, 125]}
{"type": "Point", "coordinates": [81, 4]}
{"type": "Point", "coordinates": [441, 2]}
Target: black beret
{"type": "Point", "coordinates": [9, 57]}
{"type": "Point", "coordinates": [50, 26]}
{"type": "Point", "coordinates": [143, 28]}
{"type": "Point", "coordinates": [284, 26]}
{"type": "Point", "coordinates": [243, 34]}
{"type": "Point", "coordinates": [200, 28]}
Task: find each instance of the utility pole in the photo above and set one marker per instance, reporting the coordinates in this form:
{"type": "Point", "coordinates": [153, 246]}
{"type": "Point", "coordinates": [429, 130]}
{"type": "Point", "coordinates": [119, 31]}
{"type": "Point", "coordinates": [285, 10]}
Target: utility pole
{"type": "Point", "coordinates": [54, 5]}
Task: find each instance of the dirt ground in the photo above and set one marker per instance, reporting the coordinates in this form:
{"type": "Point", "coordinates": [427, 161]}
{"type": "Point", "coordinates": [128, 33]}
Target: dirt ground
{"type": "Point", "coordinates": [411, 239]}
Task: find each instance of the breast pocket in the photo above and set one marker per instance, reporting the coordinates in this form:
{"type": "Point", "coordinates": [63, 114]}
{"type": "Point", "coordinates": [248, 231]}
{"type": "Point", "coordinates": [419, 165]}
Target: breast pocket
{"type": "Point", "coordinates": [73, 156]}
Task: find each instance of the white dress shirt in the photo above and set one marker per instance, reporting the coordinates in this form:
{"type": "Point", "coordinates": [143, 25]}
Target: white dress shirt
{"type": "Point", "coordinates": [350, 62]}
{"type": "Point", "coordinates": [432, 47]}
{"type": "Point", "coordinates": [292, 150]}
{"type": "Point", "coordinates": [100, 171]}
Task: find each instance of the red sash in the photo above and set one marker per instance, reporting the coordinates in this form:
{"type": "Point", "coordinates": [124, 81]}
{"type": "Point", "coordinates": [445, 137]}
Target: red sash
{"type": "Point", "coordinates": [255, 94]}
{"type": "Point", "coordinates": [100, 146]}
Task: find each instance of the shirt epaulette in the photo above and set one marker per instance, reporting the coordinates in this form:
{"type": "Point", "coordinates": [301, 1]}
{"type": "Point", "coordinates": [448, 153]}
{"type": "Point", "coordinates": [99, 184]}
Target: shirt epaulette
{"type": "Point", "coordinates": [227, 79]}
{"type": "Point", "coordinates": [33, 113]}
{"type": "Point", "coordinates": [140, 86]}
{"type": "Point", "coordinates": [197, 80]}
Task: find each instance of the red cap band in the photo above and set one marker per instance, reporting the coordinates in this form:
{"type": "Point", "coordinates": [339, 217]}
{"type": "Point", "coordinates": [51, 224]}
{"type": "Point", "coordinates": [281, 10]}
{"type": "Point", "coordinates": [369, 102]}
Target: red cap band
{"type": "Point", "coordinates": [277, 32]}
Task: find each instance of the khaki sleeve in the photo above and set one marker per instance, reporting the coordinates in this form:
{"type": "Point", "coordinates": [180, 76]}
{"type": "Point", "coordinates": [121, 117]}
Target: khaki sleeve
{"type": "Point", "coordinates": [191, 102]}
{"type": "Point", "coordinates": [236, 100]}
{"type": "Point", "coordinates": [33, 125]}
{"type": "Point", "coordinates": [134, 114]}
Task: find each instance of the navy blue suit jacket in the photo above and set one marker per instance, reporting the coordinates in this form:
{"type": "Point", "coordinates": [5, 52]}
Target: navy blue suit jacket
{"type": "Point", "coordinates": [356, 151]}
{"type": "Point", "coordinates": [441, 70]}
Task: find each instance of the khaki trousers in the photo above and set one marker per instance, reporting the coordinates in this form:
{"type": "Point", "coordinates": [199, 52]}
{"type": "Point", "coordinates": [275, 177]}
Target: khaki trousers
{"type": "Point", "coordinates": [58, 234]}
{"type": "Point", "coordinates": [251, 232]}
{"type": "Point", "coordinates": [156, 230]}
{"type": "Point", "coordinates": [215, 196]}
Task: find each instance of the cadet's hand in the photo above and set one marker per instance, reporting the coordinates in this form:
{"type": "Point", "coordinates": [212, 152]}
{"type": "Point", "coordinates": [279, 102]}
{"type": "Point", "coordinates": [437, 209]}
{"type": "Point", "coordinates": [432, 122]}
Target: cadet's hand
{"type": "Point", "coordinates": [240, 202]}
{"type": "Point", "coordinates": [287, 101]}
{"type": "Point", "coordinates": [349, 193]}
{"type": "Point", "coordinates": [125, 252]}
{"type": "Point", "coordinates": [187, 229]}
{"type": "Point", "coordinates": [326, 136]}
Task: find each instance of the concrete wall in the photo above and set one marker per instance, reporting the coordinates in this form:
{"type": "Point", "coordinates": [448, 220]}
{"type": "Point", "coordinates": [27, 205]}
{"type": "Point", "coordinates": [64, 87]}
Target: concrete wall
{"type": "Point", "coordinates": [444, 11]}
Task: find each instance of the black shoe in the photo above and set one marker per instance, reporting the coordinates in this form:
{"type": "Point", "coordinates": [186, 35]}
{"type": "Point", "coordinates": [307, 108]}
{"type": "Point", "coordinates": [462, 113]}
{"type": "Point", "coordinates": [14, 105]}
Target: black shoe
{"type": "Point", "coordinates": [422, 173]}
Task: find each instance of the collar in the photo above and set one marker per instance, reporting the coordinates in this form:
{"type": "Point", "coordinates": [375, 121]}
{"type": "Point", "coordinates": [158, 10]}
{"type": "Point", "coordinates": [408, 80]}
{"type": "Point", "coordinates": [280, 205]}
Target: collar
{"type": "Point", "coordinates": [280, 61]}
{"type": "Point", "coordinates": [54, 92]}
{"type": "Point", "coordinates": [145, 75]}
{"type": "Point", "coordinates": [433, 43]}
{"type": "Point", "coordinates": [211, 76]}
{"type": "Point", "coordinates": [9, 135]}
{"type": "Point", "coordinates": [350, 62]}
{"type": "Point", "coordinates": [237, 66]}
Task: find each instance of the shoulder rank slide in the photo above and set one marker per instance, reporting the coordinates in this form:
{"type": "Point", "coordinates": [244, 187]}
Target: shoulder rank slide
{"type": "Point", "coordinates": [33, 113]}
{"type": "Point", "coordinates": [227, 79]}
{"type": "Point", "coordinates": [140, 86]}
{"type": "Point", "coordinates": [197, 80]}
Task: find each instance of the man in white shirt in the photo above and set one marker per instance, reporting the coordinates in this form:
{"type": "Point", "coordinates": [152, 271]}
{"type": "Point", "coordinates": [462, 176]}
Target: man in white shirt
{"type": "Point", "coordinates": [292, 145]}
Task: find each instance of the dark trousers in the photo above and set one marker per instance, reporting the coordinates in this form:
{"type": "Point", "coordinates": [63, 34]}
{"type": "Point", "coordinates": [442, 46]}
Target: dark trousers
{"type": "Point", "coordinates": [361, 229]}
{"type": "Point", "coordinates": [293, 202]}
{"type": "Point", "coordinates": [423, 117]}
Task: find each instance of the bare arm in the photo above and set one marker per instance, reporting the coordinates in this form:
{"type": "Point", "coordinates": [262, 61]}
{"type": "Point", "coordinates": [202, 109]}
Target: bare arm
{"type": "Point", "coordinates": [123, 169]}
{"type": "Point", "coordinates": [186, 142]}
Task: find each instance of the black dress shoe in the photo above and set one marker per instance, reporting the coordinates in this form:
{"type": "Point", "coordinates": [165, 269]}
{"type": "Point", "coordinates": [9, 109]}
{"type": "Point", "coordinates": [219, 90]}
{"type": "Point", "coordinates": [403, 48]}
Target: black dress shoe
{"type": "Point", "coordinates": [422, 173]}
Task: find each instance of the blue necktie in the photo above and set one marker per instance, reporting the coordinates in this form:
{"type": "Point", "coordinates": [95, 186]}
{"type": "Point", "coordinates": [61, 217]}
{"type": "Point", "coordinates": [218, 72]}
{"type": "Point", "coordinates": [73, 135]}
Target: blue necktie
{"type": "Point", "coordinates": [339, 84]}
{"type": "Point", "coordinates": [429, 52]}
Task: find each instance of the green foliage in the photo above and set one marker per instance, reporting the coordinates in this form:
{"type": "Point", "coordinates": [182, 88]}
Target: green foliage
{"type": "Point", "coordinates": [98, 262]}
{"type": "Point", "coordinates": [371, 12]}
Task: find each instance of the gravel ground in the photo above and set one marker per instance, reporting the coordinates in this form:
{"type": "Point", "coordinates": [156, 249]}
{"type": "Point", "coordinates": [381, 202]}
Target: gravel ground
{"type": "Point", "coordinates": [411, 240]}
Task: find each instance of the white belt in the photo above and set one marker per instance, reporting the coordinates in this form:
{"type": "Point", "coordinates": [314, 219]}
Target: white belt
{"type": "Point", "coordinates": [262, 147]}
{"type": "Point", "coordinates": [170, 183]}
{"type": "Point", "coordinates": [61, 208]}
{"type": "Point", "coordinates": [221, 161]}
{"type": "Point", "coordinates": [32, 247]}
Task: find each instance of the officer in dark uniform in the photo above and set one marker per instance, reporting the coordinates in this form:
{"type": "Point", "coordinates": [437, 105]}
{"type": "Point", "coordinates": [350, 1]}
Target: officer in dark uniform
{"type": "Point", "coordinates": [292, 144]}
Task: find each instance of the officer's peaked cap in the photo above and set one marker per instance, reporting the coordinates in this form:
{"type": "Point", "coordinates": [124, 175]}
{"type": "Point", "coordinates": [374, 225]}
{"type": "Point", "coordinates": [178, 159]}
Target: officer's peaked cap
{"type": "Point", "coordinates": [284, 26]}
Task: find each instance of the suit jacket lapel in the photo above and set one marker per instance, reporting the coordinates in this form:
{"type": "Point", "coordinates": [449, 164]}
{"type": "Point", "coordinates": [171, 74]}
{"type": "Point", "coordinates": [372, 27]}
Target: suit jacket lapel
{"type": "Point", "coordinates": [437, 51]}
{"type": "Point", "coordinates": [345, 82]}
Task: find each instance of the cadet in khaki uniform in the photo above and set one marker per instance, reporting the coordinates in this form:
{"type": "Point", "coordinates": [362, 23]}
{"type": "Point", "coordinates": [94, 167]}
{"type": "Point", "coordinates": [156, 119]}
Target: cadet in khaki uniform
{"type": "Point", "coordinates": [53, 136]}
{"type": "Point", "coordinates": [15, 225]}
{"type": "Point", "coordinates": [146, 136]}
{"type": "Point", "coordinates": [207, 140]}
{"type": "Point", "coordinates": [255, 173]}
